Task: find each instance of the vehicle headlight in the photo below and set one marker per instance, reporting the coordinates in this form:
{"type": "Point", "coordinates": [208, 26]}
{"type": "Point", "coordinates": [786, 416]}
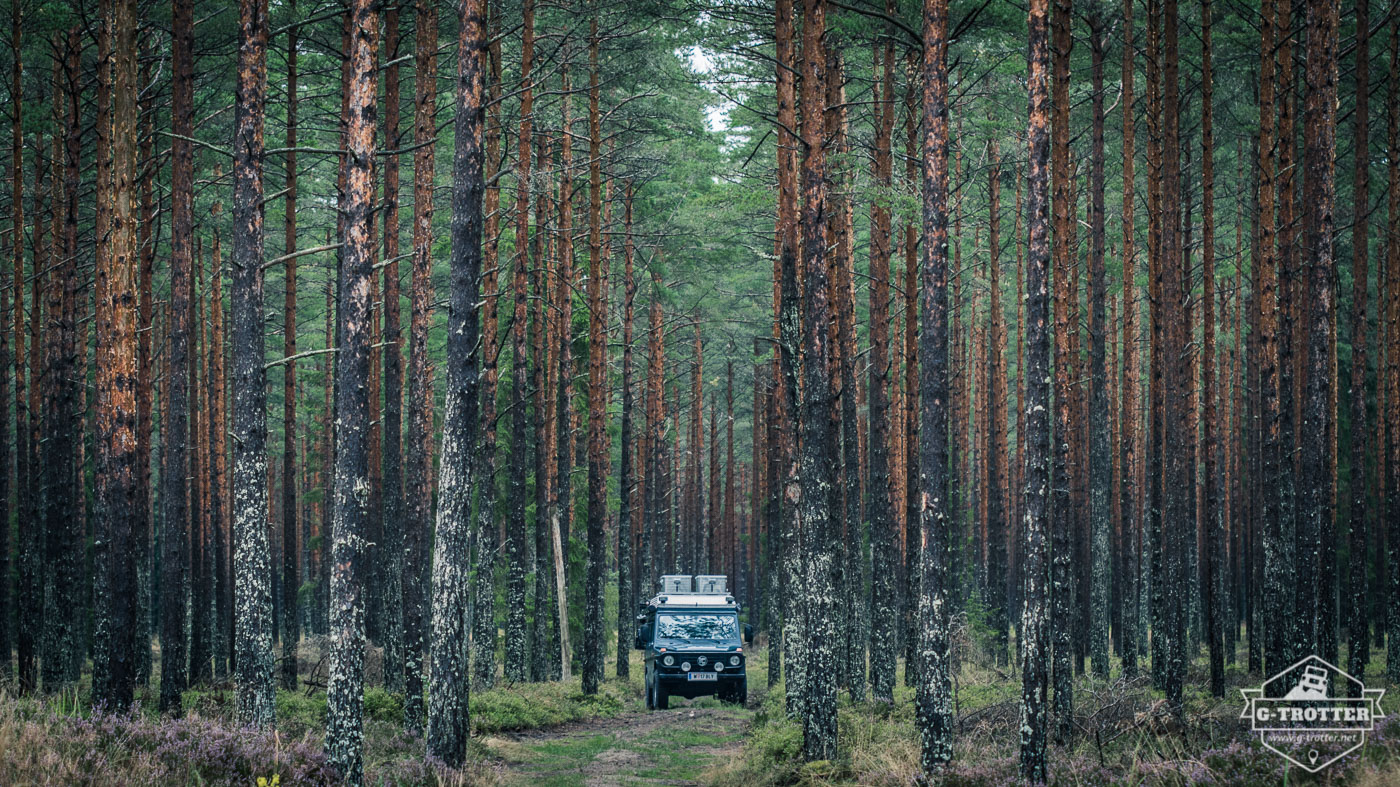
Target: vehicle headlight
{"type": "Point", "coordinates": [669, 660]}
{"type": "Point", "coordinates": [734, 660]}
{"type": "Point", "coordinates": [719, 666]}
{"type": "Point", "coordinates": [685, 665]}
{"type": "Point", "coordinates": [702, 661]}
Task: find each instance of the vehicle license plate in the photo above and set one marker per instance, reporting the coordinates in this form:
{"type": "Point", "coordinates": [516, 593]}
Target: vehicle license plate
{"type": "Point", "coordinates": [691, 676]}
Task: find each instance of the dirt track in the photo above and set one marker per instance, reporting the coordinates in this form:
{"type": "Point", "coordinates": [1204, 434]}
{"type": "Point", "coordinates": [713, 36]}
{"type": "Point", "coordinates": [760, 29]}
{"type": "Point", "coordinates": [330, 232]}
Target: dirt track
{"type": "Point", "coordinates": [673, 747]}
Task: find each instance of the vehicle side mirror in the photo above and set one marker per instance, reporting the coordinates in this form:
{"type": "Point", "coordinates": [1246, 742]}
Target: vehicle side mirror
{"type": "Point", "coordinates": [748, 633]}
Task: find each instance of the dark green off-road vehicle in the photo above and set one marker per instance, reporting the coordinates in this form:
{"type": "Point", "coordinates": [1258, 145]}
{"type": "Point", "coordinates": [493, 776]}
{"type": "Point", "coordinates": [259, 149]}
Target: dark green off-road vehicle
{"type": "Point", "coordinates": [692, 642]}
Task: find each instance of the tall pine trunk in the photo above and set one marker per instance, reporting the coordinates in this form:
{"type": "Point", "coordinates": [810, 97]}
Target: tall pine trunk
{"type": "Point", "coordinates": [252, 568]}
{"type": "Point", "coordinates": [935, 698]}
{"type": "Point", "coordinates": [1035, 412]}
{"type": "Point", "coordinates": [594, 644]}
{"type": "Point", "coordinates": [1319, 199]}
{"type": "Point", "coordinates": [417, 486]}
{"type": "Point", "coordinates": [116, 382]}
{"type": "Point", "coordinates": [883, 547]}
{"type": "Point", "coordinates": [1358, 633]}
{"type": "Point", "coordinates": [448, 723]}
{"type": "Point", "coordinates": [351, 504]}
{"type": "Point", "coordinates": [290, 558]}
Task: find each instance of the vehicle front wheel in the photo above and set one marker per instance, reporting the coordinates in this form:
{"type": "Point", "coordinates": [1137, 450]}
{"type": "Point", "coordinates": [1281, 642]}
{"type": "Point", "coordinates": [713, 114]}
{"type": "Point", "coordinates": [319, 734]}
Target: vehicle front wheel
{"type": "Point", "coordinates": [663, 700]}
{"type": "Point", "coordinates": [651, 703]}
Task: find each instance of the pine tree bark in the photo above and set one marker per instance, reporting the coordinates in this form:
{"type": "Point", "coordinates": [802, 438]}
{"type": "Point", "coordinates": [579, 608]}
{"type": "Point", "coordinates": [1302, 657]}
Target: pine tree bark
{"type": "Point", "coordinates": [175, 425]}
{"type": "Point", "coordinates": [516, 637]}
{"type": "Point", "coordinates": [484, 635]}
{"type": "Point", "coordinates": [1130, 503]}
{"type": "Point", "coordinates": [996, 451]}
{"type": "Point", "coordinates": [117, 370]}
{"type": "Point", "coordinates": [391, 439]}
{"type": "Point", "coordinates": [884, 598]}
{"type": "Point", "coordinates": [1392, 374]}
{"type": "Point", "coordinates": [594, 645]}
{"type": "Point", "coordinates": [1062, 564]}
{"type": "Point", "coordinates": [417, 486]}
{"type": "Point", "coordinates": [63, 636]}
{"type": "Point", "coordinates": [1100, 463]}
{"type": "Point", "coordinates": [935, 700]}
{"type": "Point", "coordinates": [628, 486]}
{"type": "Point", "coordinates": [251, 555]}
{"type": "Point", "coordinates": [1035, 415]}
{"type": "Point", "coordinates": [1213, 522]}
{"type": "Point", "coordinates": [792, 646]}
{"type": "Point", "coordinates": [814, 500]}
{"type": "Point", "coordinates": [1177, 438]}
{"type": "Point", "coordinates": [291, 633]}
{"type": "Point", "coordinates": [1319, 199]}
{"type": "Point", "coordinates": [351, 503]}
{"type": "Point", "coordinates": [448, 721]}
{"type": "Point", "coordinates": [1358, 633]}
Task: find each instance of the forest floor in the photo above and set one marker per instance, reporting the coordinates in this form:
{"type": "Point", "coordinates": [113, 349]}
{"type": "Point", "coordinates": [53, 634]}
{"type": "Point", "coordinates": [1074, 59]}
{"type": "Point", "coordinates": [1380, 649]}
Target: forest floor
{"type": "Point", "coordinates": [672, 747]}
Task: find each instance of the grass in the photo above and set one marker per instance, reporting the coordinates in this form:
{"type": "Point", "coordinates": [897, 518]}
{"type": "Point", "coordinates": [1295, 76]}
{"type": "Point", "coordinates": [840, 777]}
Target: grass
{"type": "Point", "coordinates": [1124, 735]}
{"type": "Point", "coordinates": [59, 739]}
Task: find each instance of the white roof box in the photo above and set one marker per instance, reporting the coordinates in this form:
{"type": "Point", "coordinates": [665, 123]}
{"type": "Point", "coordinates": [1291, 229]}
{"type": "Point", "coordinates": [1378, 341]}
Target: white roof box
{"type": "Point", "coordinates": [711, 583]}
{"type": "Point", "coordinates": [676, 583]}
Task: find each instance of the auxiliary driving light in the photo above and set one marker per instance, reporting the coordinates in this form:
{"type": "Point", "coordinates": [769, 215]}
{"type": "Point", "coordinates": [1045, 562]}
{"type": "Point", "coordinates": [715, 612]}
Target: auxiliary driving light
{"type": "Point", "coordinates": [685, 665]}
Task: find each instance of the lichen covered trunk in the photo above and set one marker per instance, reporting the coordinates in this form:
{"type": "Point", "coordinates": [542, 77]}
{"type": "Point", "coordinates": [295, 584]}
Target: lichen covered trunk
{"type": "Point", "coordinates": [252, 559]}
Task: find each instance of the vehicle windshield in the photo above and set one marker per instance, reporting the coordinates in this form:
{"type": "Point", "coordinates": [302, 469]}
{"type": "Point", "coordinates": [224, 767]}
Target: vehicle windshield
{"type": "Point", "coordinates": [713, 627]}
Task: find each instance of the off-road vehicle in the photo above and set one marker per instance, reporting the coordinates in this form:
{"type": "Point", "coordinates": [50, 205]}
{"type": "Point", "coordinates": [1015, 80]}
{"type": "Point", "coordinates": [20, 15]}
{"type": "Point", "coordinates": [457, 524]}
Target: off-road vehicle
{"type": "Point", "coordinates": [690, 633]}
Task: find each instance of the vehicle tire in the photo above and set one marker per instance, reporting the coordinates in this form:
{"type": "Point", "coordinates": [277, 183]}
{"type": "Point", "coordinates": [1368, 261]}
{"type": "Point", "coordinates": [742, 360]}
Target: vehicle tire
{"type": "Point", "coordinates": [651, 703]}
{"type": "Point", "coordinates": [663, 700]}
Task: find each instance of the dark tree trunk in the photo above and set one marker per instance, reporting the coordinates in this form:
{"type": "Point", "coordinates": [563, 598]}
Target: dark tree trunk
{"type": "Point", "coordinates": [1063, 514]}
{"type": "Point", "coordinates": [1100, 462]}
{"type": "Point", "coordinates": [516, 637]}
{"type": "Point", "coordinates": [63, 605]}
{"type": "Point", "coordinates": [1392, 372]}
{"type": "Point", "coordinates": [814, 500]}
{"type": "Point", "coordinates": [1320, 196]}
{"type": "Point", "coordinates": [251, 554]}
{"type": "Point", "coordinates": [117, 370]}
{"type": "Point", "coordinates": [487, 529]}
{"type": "Point", "coordinates": [627, 481]}
{"type": "Point", "coordinates": [996, 455]}
{"type": "Point", "coordinates": [913, 546]}
{"type": "Point", "coordinates": [1035, 414]}
{"type": "Point", "coordinates": [175, 425]}
{"type": "Point", "coordinates": [351, 505]}
{"type": "Point", "coordinates": [883, 548]}
{"type": "Point", "coordinates": [417, 487]}
{"type": "Point", "coordinates": [594, 644]}
{"type": "Point", "coordinates": [391, 442]}
{"type": "Point", "coordinates": [1358, 633]}
{"type": "Point", "coordinates": [1210, 563]}
{"type": "Point", "coordinates": [788, 333]}
{"type": "Point", "coordinates": [16, 291]}
{"type": "Point", "coordinates": [1177, 439]}
{"type": "Point", "coordinates": [448, 723]}
{"type": "Point", "coordinates": [1275, 595]}
{"type": "Point", "coordinates": [935, 699]}
{"type": "Point", "coordinates": [1129, 501]}
{"type": "Point", "coordinates": [291, 621]}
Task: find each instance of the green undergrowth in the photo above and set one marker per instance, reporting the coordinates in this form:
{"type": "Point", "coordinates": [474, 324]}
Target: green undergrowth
{"type": "Point", "coordinates": [529, 706]}
{"type": "Point", "coordinates": [1123, 734]}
